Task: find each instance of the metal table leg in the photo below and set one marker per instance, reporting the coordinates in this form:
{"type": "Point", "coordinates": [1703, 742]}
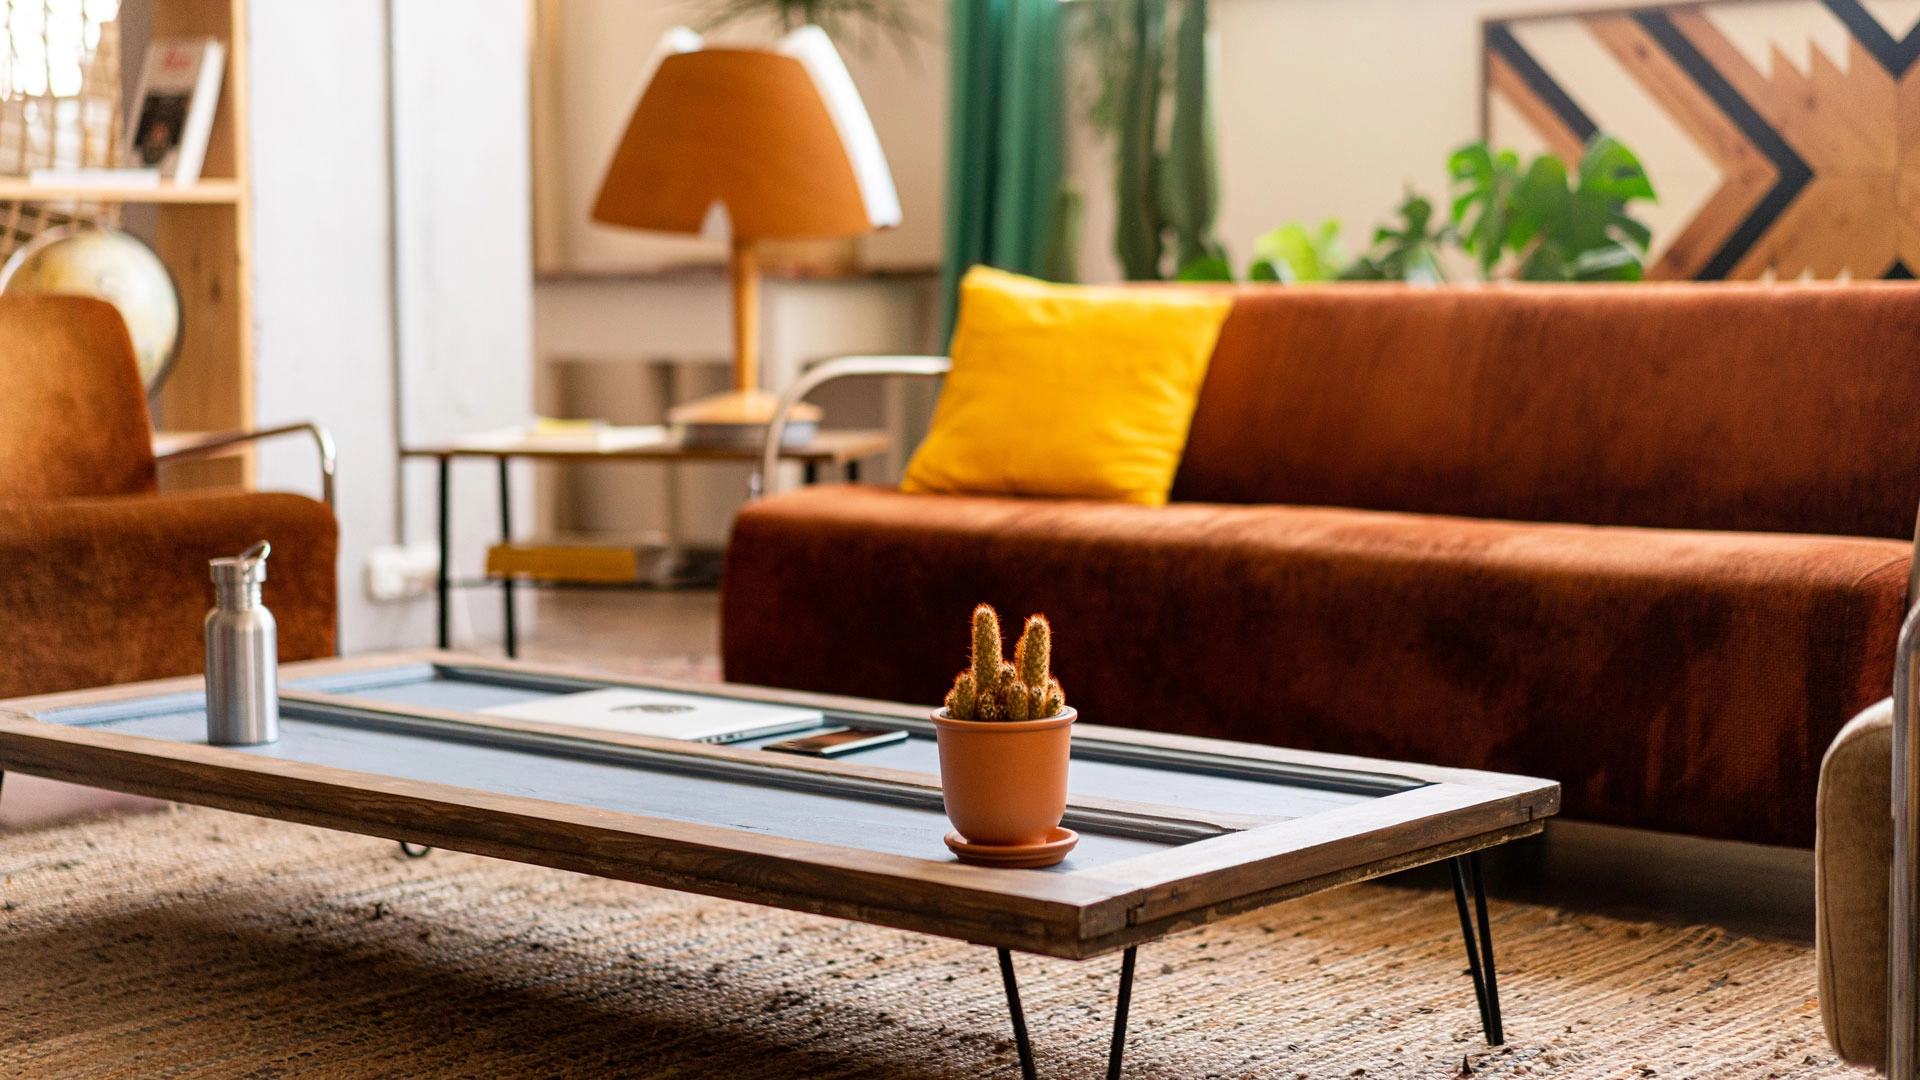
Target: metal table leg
{"type": "Point", "coordinates": [1027, 1071]}
{"type": "Point", "coordinates": [1119, 1044]}
{"type": "Point", "coordinates": [1025, 1047]}
{"type": "Point", "coordinates": [442, 580]}
{"type": "Point", "coordinates": [1486, 987]}
{"type": "Point", "coordinates": [506, 583]}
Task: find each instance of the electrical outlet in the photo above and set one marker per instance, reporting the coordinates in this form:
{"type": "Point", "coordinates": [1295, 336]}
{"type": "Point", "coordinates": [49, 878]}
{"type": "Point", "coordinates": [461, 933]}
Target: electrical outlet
{"type": "Point", "coordinates": [402, 571]}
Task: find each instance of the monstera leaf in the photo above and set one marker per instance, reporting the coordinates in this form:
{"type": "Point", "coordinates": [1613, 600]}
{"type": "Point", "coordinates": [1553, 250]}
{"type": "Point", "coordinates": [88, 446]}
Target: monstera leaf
{"type": "Point", "coordinates": [1484, 184]}
{"type": "Point", "coordinates": [1557, 226]}
{"type": "Point", "coordinates": [1409, 251]}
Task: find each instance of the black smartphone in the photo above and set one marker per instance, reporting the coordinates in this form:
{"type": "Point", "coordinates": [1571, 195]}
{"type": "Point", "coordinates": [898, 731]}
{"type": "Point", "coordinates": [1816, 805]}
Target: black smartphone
{"type": "Point", "coordinates": [833, 742]}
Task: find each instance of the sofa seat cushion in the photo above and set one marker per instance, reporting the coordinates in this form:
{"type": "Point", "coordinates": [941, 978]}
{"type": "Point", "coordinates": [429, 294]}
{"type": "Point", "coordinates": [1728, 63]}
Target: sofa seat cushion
{"type": "Point", "coordinates": [1676, 680]}
{"type": "Point", "coordinates": [113, 590]}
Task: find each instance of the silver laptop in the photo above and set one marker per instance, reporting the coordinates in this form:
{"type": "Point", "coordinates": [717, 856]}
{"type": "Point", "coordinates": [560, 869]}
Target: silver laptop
{"type": "Point", "coordinates": [664, 714]}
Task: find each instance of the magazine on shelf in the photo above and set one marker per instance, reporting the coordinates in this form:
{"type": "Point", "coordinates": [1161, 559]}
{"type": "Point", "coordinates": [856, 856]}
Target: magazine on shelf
{"type": "Point", "coordinates": [171, 118]}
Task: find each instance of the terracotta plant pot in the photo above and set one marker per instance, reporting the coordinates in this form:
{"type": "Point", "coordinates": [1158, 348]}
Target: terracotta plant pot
{"type": "Point", "coordinates": [1005, 784]}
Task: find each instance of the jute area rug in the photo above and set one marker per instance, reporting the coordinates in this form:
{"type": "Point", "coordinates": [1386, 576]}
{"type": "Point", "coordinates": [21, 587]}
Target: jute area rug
{"type": "Point", "coordinates": [198, 943]}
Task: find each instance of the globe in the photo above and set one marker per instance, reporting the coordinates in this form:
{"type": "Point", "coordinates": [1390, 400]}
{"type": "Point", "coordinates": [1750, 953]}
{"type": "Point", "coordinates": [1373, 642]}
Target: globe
{"type": "Point", "coordinates": [90, 260]}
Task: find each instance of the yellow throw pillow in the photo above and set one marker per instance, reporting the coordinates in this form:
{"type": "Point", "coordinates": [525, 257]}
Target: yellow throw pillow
{"type": "Point", "coordinates": [1069, 391]}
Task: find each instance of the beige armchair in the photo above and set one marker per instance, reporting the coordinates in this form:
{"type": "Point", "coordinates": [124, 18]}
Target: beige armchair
{"type": "Point", "coordinates": [1853, 856]}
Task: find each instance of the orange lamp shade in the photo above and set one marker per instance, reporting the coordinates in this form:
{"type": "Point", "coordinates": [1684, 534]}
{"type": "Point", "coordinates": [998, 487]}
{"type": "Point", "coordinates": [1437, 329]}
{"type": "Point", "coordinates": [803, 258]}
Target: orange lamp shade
{"type": "Point", "coordinates": [780, 138]}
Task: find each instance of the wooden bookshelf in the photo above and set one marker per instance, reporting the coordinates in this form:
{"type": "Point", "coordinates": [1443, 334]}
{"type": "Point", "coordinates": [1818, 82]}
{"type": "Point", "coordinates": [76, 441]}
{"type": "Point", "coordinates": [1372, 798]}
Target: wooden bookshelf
{"type": "Point", "coordinates": [203, 233]}
{"type": "Point", "coordinates": [17, 189]}
{"type": "Point", "coordinates": [205, 236]}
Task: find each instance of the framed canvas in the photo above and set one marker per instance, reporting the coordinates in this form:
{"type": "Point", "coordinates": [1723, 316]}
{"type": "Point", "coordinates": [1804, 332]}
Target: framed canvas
{"type": "Point", "coordinates": [1783, 136]}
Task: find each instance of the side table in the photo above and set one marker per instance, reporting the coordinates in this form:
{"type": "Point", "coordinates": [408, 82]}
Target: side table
{"type": "Point", "coordinates": [843, 449]}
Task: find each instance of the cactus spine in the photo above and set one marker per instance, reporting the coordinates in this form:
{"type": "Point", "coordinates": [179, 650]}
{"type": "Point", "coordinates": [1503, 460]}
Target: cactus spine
{"type": "Point", "coordinates": [993, 689]}
{"type": "Point", "coordinates": [986, 651]}
{"type": "Point", "coordinates": [1034, 652]}
{"type": "Point", "coordinates": [1019, 703]}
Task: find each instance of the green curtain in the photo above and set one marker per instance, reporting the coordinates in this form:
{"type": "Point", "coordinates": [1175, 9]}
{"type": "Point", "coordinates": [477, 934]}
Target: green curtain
{"type": "Point", "coordinates": [1004, 139]}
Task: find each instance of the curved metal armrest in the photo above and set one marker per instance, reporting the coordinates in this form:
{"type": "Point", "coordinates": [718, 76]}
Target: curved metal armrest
{"type": "Point", "coordinates": [845, 367]}
{"type": "Point", "coordinates": [212, 443]}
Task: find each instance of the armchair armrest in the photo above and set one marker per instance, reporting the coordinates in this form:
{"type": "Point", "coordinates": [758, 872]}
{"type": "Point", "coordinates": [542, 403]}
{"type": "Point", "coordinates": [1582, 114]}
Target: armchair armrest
{"type": "Point", "coordinates": [845, 367]}
{"type": "Point", "coordinates": [203, 444]}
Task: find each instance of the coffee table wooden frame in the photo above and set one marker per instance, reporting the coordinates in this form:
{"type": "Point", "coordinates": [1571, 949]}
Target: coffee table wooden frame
{"type": "Point", "coordinates": [1240, 862]}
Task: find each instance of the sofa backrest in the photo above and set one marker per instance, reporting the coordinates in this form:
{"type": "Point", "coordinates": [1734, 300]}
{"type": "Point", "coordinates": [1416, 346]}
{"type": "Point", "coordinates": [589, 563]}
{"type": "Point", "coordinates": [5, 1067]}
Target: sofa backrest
{"type": "Point", "coordinates": [1786, 408]}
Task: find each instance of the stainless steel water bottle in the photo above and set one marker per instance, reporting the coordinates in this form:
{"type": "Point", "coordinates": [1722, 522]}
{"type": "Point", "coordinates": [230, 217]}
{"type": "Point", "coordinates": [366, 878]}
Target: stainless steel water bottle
{"type": "Point", "coordinates": [243, 658]}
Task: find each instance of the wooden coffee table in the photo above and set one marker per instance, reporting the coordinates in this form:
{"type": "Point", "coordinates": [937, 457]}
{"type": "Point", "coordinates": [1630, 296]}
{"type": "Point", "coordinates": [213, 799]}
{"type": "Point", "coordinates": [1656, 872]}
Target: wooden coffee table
{"type": "Point", "coordinates": [1175, 831]}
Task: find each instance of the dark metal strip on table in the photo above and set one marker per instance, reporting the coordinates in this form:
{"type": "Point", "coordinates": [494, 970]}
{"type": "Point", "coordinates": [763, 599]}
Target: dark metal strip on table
{"type": "Point", "coordinates": [1091, 749]}
{"type": "Point", "coordinates": [1135, 826]}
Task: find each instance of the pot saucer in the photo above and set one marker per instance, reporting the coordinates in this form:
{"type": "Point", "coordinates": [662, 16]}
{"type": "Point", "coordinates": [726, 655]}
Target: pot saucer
{"type": "Point", "coordinates": [1015, 856]}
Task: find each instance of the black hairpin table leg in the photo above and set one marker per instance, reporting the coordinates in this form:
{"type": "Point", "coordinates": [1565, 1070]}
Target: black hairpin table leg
{"type": "Point", "coordinates": [1019, 1018]}
{"type": "Point", "coordinates": [1025, 1047]}
{"type": "Point", "coordinates": [1486, 988]}
{"type": "Point", "coordinates": [1120, 1016]}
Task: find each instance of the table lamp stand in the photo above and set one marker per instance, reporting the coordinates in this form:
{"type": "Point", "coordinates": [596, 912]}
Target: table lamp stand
{"type": "Point", "coordinates": [739, 417]}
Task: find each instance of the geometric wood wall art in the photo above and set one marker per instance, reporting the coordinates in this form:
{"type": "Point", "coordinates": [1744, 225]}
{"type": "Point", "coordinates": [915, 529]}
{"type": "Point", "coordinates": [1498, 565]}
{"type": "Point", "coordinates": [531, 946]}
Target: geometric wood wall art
{"type": "Point", "coordinates": [1783, 136]}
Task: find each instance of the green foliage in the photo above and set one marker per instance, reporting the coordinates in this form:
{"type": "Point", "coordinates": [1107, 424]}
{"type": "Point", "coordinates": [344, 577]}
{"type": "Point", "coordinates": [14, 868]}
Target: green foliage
{"type": "Point", "coordinates": [1189, 186]}
{"type": "Point", "coordinates": [1405, 251]}
{"type": "Point", "coordinates": [1408, 251]}
{"type": "Point", "coordinates": [1554, 226]}
{"type": "Point", "coordinates": [1137, 225]}
{"type": "Point", "coordinates": [1060, 260]}
{"type": "Point", "coordinates": [1168, 192]}
{"type": "Point", "coordinates": [993, 689]}
{"type": "Point", "coordinates": [1206, 268]}
{"type": "Point", "coordinates": [1536, 224]}
{"type": "Point", "coordinates": [1292, 253]}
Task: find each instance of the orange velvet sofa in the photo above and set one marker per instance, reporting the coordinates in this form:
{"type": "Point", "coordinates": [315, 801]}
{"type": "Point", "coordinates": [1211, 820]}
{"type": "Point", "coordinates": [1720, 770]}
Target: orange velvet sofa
{"type": "Point", "coordinates": [1652, 541]}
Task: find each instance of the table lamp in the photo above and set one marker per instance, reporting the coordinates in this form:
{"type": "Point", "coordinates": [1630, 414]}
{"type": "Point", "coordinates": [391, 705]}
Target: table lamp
{"type": "Point", "coordinates": [777, 140]}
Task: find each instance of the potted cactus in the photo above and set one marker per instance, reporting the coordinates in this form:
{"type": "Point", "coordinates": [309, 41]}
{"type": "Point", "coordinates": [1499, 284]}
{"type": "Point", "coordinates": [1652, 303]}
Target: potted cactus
{"type": "Point", "coordinates": [1005, 733]}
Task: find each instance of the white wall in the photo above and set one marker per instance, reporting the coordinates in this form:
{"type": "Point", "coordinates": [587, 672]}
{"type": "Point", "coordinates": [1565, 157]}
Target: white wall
{"type": "Point", "coordinates": [466, 262]}
{"type": "Point", "coordinates": [322, 316]}
{"type": "Point", "coordinates": [323, 259]}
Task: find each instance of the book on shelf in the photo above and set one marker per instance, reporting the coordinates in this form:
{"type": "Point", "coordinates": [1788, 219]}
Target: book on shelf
{"type": "Point", "coordinates": [171, 118]}
{"type": "Point", "coordinates": [607, 559]}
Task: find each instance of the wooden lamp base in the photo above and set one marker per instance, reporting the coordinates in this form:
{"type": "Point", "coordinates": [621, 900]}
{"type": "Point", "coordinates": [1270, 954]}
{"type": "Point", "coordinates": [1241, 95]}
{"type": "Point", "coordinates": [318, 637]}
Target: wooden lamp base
{"type": "Point", "coordinates": [740, 418]}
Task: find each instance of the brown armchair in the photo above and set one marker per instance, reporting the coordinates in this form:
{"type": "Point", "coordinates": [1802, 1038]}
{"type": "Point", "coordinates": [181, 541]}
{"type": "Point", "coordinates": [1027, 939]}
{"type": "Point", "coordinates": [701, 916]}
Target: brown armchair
{"type": "Point", "coordinates": [102, 578]}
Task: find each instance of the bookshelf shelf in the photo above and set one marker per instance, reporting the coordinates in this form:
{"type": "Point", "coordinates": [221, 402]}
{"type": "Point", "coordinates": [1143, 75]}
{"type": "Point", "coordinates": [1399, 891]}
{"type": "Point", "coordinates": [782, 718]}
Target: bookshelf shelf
{"type": "Point", "coordinates": [206, 192]}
